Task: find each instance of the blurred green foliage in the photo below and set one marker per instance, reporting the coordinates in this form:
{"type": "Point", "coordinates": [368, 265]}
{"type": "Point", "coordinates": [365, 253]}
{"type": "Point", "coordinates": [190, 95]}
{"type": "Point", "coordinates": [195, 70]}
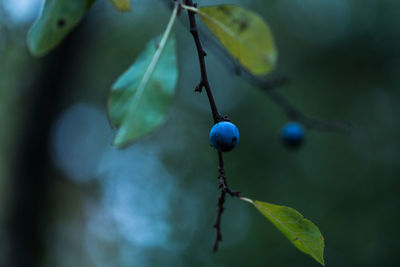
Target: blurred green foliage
{"type": "Point", "coordinates": [343, 61]}
{"type": "Point", "coordinates": [56, 19]}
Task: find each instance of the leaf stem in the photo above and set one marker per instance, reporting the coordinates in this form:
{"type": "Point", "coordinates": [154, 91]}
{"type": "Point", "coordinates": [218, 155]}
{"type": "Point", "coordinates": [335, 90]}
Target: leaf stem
{"type": "Point", "coordinates": [247, 200]}
{"type": "Point", "coordinates": [191, 8]}
{"type": "Point", "coordinates": [155, 59]}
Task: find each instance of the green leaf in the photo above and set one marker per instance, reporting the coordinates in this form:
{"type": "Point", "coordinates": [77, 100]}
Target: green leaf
{"type": "Point", "coordinates": [140, 98]}
{"type": "Point", "coordinates": [244, 34]}
{"type": "Point", "coordinates": [301, 232]}
{"type": "Point", "coordinates": [122, 5]}
{"type": "Point", "coordinates": [56, 19]}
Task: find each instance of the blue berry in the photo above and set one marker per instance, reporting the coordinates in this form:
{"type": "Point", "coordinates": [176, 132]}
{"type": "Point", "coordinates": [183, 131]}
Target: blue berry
{"type": "Point", "coordinates": [292, 135]}
{"type": "Point", "coordinates": [224, 136]}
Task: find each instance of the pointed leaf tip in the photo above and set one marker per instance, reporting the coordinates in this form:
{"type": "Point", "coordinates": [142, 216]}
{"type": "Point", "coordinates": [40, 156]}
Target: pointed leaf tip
{"type": "Point", "coordinates": [302, 233]}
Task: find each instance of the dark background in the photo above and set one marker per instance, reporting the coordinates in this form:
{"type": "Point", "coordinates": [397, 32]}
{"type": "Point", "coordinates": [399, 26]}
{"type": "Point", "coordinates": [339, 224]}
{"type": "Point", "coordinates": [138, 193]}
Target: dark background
{"type": "Point", "coordinates": [68, 198]}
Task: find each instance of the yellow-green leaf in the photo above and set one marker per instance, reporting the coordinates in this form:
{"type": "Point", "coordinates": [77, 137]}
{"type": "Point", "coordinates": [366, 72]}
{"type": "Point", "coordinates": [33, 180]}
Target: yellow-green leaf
{"type": "Point", "coordinates": [244, 34]}
{"type": "Point", "coordinates": [56, 19]}
{"type": "Point", "coordinates": [122, 5]}
{"type": "Point", "coordinates": [301, 232]}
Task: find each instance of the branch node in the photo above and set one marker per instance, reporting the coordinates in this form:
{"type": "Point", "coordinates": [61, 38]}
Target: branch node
{"type": "Point", "coordinates": [225, 118]}
{"type": "Point", "coordinates": [199, 87]}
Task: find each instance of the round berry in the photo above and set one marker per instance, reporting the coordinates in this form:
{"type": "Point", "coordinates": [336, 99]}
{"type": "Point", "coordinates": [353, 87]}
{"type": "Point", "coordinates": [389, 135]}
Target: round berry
{"type": "Point", "coordinates": [224, 136]}
{"type": "Point", "coordinates": [292, 135]}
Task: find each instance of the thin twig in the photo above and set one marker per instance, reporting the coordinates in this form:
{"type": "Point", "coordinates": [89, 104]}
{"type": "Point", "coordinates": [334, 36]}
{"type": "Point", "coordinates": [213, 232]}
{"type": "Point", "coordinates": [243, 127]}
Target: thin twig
{"type": "Point", "coordinates": [294, 114]}
{"type": "Point", "coordinates": [217, 224]}
{"type": "Point", "coordinates": [201, 54]}
{"type": "Point", "coordinates": [223, 183]}
{"type": "Point", "coordinates": [268, 85]}
{"type": "Point", "coordinates": [223, 186]}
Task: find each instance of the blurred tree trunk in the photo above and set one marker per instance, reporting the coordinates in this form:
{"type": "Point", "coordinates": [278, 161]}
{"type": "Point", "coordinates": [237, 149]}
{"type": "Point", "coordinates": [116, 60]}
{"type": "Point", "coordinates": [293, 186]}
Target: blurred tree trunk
{"type": "Point", "coordinates": [27, 220]}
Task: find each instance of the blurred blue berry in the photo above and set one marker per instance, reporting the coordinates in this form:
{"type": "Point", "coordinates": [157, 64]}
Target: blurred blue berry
{"type": "Point", "coordinates": [224, 136]}
{"type": "Point", "coordinates": [292, 134]}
